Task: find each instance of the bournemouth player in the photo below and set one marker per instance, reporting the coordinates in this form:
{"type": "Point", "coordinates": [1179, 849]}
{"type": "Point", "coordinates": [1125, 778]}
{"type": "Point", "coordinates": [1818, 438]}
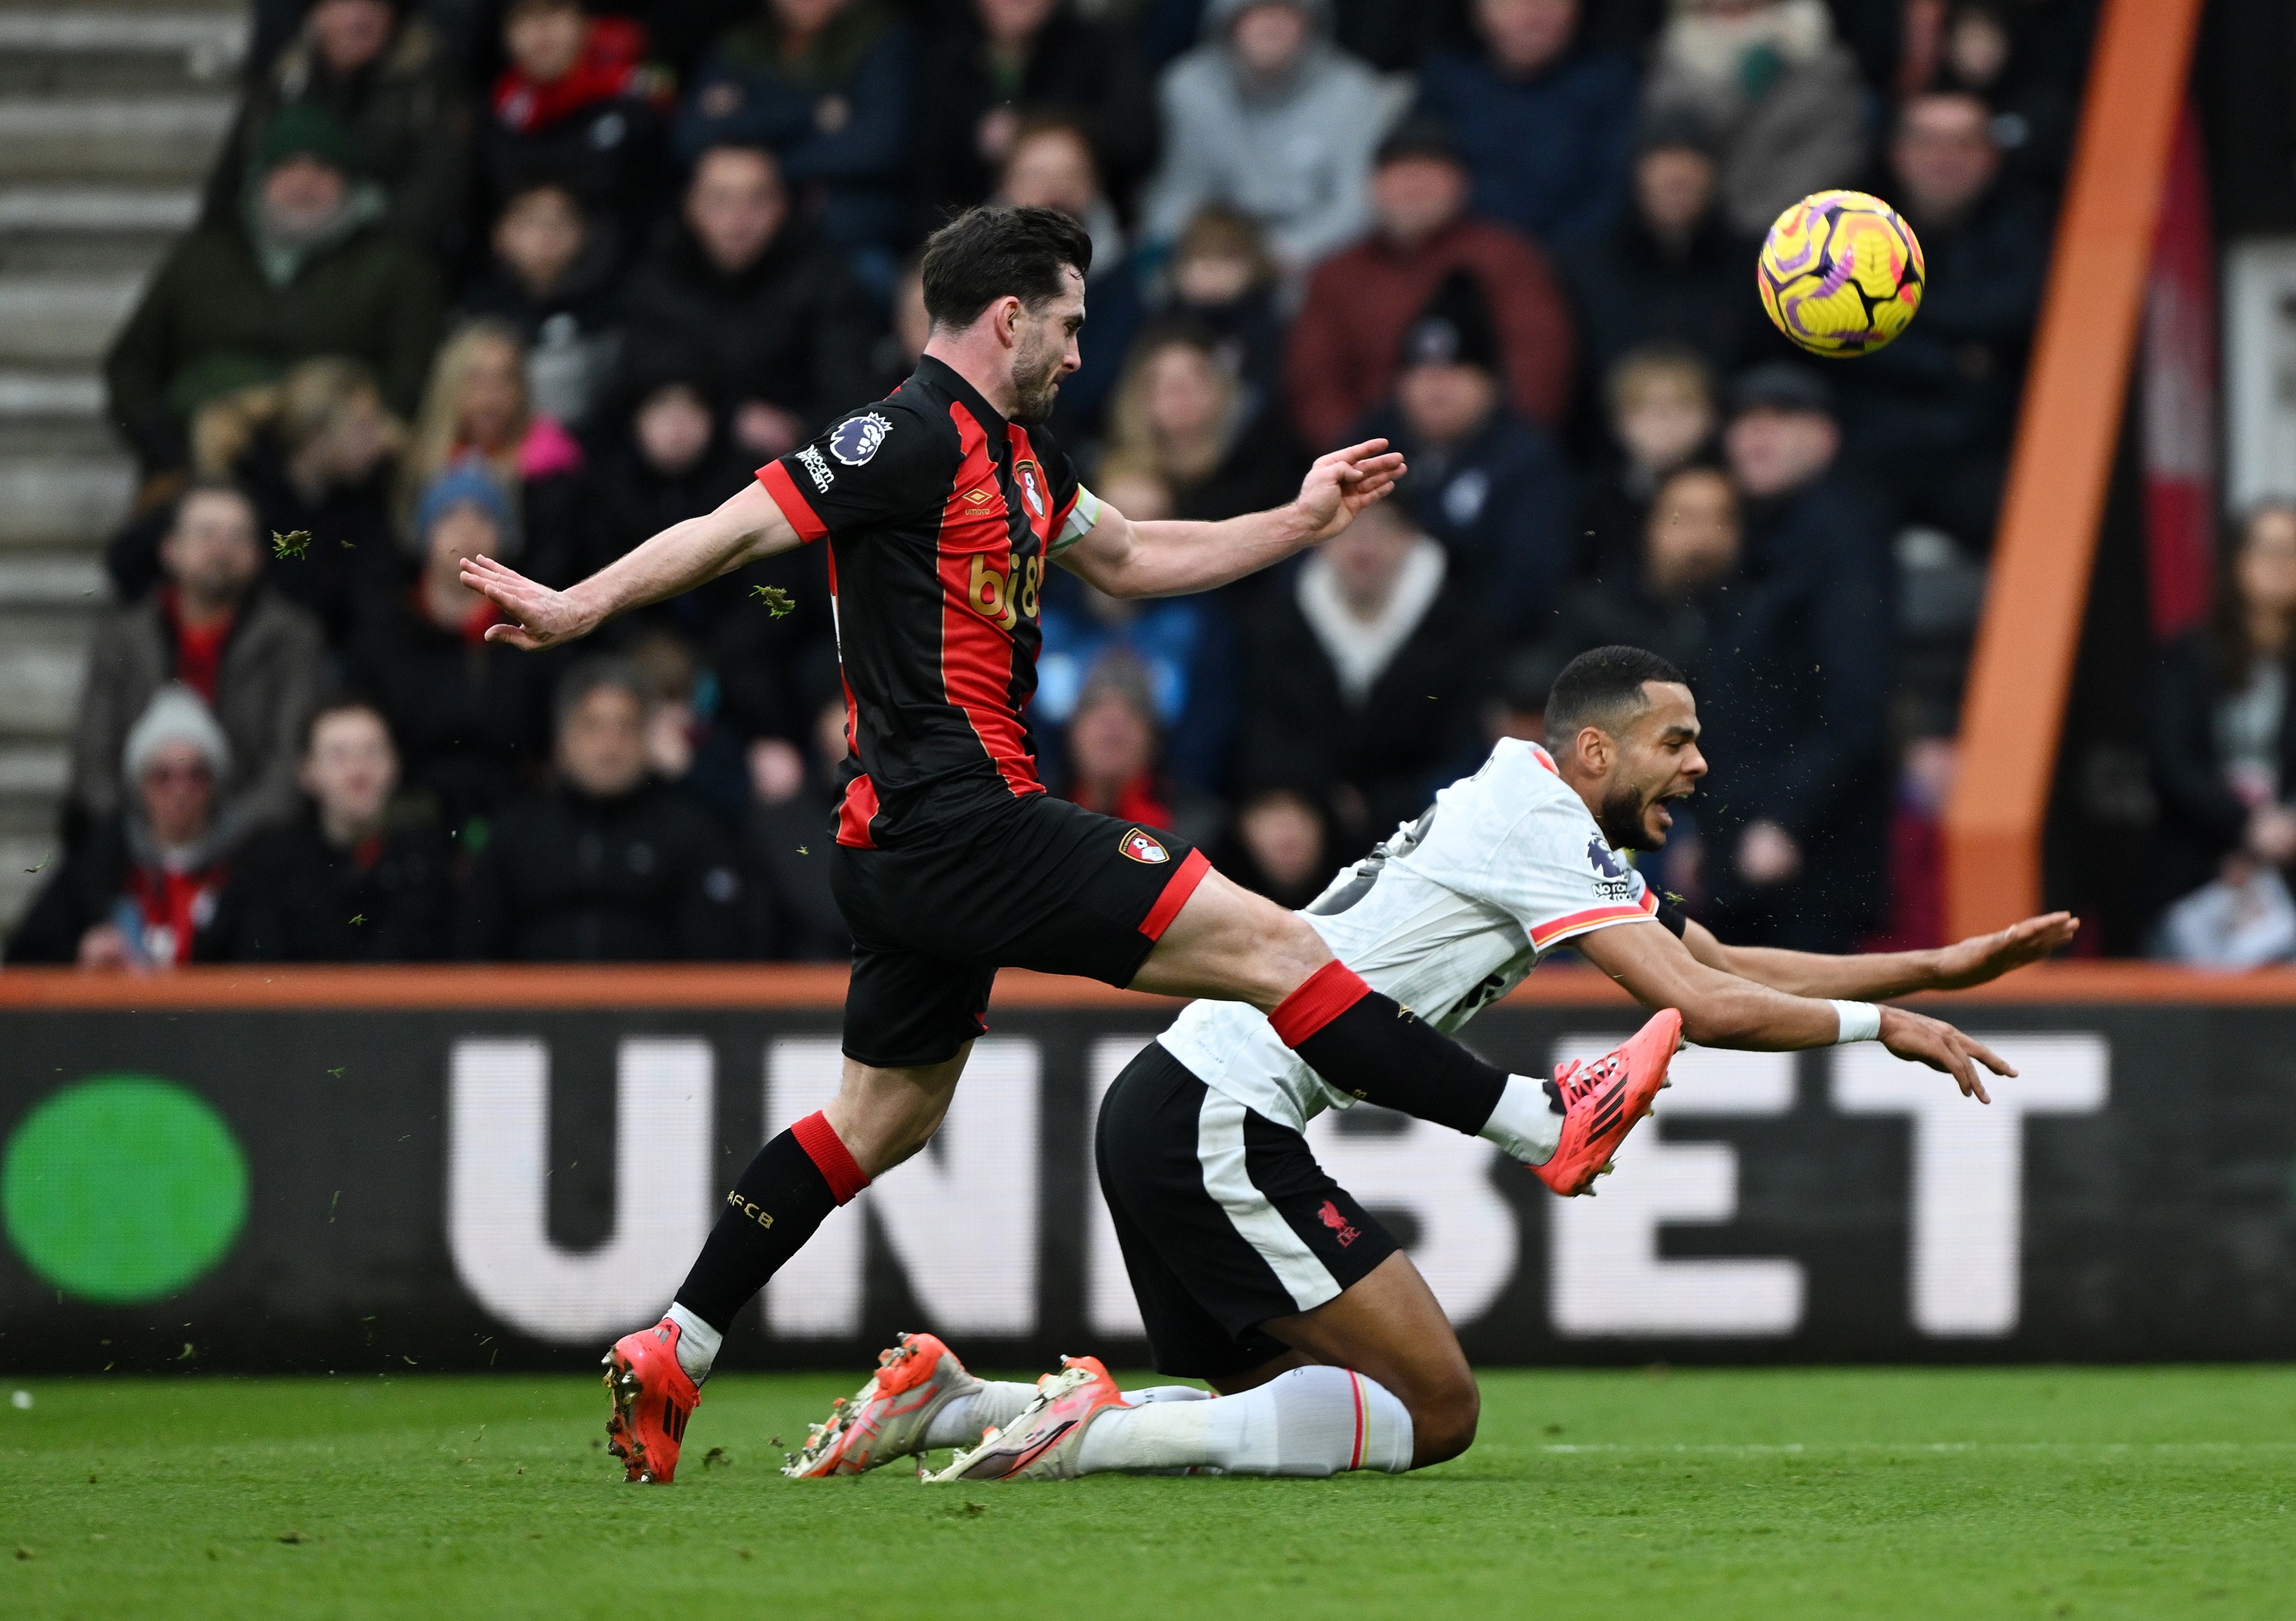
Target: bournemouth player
{"type": "Point", "coordinates": [942, 506]}
{"type": "Point", "coordinates": [1258, 1272]}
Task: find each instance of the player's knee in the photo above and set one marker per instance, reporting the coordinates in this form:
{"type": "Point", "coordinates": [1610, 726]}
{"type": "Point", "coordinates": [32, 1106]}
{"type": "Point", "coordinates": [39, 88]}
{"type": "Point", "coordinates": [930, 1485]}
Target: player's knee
{"type": "Point", "coordinates": [1287, 948]}
{"type": "Point", "coordinates": [1443, 1419]}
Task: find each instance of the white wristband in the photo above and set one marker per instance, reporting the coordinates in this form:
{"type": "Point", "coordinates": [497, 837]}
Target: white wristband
{"type": "Point", "coordinates": [1857, 1021]}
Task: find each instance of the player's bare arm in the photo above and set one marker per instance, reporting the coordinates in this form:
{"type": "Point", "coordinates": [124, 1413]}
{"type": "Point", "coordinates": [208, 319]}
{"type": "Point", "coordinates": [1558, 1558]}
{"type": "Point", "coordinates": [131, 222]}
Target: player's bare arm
{"type": "Point", "coordinates": [1974, 961]}
{"type": "Point", "coordinates": [1721, 1009]}
{"type": "Point", "coordinates": [1168, 557]}
{"type": "Point", "coordinates": [746, 527]}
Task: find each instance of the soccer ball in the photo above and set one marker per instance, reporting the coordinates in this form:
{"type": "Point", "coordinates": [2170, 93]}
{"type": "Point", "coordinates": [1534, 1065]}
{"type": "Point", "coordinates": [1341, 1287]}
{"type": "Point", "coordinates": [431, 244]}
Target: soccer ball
{"type": "Point", "coordinates": [1840, 273]}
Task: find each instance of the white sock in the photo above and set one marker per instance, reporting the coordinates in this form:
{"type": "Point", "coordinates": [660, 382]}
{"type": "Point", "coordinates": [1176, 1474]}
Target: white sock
{"type": "Point", "coordinates": [996, 1403]}
{"type": "Point", "coordinates": [697, 1342]}
{"type": "Point", "coordinates": [1313, 1422]}
{"type": "Point", "coordinates": [1149, 1395]}
{"type": "Point", "coordinates": [1524, 1124]}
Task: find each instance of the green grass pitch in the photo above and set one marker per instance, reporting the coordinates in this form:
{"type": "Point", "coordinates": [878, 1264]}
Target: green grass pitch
{"type": "Point", "coordinates": [1774, 1494]}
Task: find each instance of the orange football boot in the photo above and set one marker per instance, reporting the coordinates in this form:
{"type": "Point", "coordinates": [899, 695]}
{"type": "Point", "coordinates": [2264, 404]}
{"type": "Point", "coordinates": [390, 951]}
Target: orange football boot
{"type": "Point", "coordinates": [653, 1398]}
{"type": "Point", "coordinates": [1602, 1100]}
{"type": "Point", "coordinates": [889, 1417]}
{"type": "Point", "coordinates": [1044, 1441]}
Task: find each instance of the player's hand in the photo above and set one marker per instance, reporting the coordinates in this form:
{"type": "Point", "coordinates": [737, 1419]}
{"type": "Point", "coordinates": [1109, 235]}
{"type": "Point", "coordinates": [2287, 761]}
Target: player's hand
{"type": "Point", "coordinates": [539, 617]}
{"type": "Point", "coordinates": [1941, 1047]}
{"type": "Point", "coordinates": [1343, 484]}
{"type": "Point", "coordinates": [1988, 957]}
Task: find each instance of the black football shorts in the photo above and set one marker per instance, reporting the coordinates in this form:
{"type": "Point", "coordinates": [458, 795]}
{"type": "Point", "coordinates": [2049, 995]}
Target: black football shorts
{"type": "Point", "coordinates": [1034, 882]}
{"type": "Point", "coordinates": [1225, 1218]}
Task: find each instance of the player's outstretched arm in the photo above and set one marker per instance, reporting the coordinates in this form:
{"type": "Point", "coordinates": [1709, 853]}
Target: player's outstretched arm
{"type": "Point", "coordinates": [1721, 1009]}
{"type": "Point", "coordinates": [1169, 558]}
{"type": "Point", "coordinates": [747, 527]}
{"type": "Point", "coordinates": [1866, 978]}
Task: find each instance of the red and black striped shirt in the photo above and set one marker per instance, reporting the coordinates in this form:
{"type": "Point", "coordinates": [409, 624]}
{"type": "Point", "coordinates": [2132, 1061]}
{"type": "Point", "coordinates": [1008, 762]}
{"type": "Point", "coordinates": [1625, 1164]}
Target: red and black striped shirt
{"type": "Point", "coordinates": [941, 518]}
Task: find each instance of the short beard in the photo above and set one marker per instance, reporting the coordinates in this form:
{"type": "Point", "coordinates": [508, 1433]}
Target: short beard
{"type": "Point", "coordinates": [1035, 383]}
{"type": "Point", "coordinates": [1620, 819]}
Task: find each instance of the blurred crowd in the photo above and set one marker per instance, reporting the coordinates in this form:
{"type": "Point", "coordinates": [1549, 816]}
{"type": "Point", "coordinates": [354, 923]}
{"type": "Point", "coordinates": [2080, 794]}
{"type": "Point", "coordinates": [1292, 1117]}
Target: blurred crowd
{"type": "Point", "coordinates": [525, 279]}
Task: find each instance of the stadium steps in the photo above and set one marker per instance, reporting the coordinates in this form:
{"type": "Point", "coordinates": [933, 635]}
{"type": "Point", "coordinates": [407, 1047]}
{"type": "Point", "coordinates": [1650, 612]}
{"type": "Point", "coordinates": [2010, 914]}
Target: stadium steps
{"type": "Point", "coordinates": [110, 114]}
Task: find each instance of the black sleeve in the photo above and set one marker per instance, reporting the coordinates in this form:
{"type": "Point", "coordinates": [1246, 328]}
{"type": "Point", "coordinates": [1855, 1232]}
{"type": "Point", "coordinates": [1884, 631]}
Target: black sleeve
{"type": "Point", "coordinates": [871, 468]}
{"type": "Point", "coordinates": [1677, 920]}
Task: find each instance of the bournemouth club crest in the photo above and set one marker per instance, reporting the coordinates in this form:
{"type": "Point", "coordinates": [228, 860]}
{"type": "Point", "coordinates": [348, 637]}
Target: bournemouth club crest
{"type": "Point", "coordinates": [1141, 847]}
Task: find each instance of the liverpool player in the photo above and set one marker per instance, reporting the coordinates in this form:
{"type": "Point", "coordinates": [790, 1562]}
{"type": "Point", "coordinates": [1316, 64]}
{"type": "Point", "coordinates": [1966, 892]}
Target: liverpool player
{"type": "Point", "coordinates": [941, 507]}
{"type": "Point", "coordinates": [1258, 1272]}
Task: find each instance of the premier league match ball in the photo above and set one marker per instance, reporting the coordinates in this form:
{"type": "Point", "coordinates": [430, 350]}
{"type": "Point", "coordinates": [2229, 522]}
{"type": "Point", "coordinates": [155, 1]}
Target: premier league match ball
{"type": "Point", "coordinates": [1840, 273]}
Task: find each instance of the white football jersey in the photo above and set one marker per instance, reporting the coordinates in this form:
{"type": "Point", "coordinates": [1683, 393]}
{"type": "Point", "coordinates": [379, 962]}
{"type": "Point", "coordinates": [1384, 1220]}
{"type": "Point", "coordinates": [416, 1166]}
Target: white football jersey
{"type": "Point", "coordinates": [1446, 917]}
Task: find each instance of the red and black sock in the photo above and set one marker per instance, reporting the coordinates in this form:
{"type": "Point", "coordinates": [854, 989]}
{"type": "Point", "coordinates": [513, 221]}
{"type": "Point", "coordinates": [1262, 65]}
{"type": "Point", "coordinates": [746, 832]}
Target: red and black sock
{"type": "Point", "coordinates": [787, 1191]}
{"type": "Point", "coordinates": [1375, 1049]}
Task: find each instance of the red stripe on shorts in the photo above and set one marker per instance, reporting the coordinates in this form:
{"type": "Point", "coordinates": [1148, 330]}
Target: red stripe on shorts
{"type": "Point", "coordinates": [1193, 866]}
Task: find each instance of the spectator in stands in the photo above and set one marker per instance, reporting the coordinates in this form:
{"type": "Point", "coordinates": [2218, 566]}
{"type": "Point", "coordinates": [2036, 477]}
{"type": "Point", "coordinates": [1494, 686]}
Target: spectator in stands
{"type": "Point", "coordinates": [1181, 412]}
{"type": "Point", "coordinates": [478, 409]}
{"type": "Point", "coordinates": [667, 458]}
{"type": "Point", "coordinates": [606, 865]}
{"type": "Point", "coordinates": [997, 62]}
{"type": "Point", "coordinates": [1795, 696]}
{"type": "Point", "coordinates": [383, 77]}
{"type": "Point", "coordinates": [469, 715]}
{"type": "Point", "coordinates": [1221, 277]}
{"type": "Point", "coordinates": [551, 281]}
{"type": "Point", "coordinates": [741, 279]}
{"type": "Point", "coordinates": [1989, 49]}
{"type": "Point", "coordinates": [1661, 413]}
{"type": "Point", "coordinates": [1490, 485]}
{"type": "Point", "coordinates": [1678, 591]}
{"type": "Point", "coordinates": [1672, 272]}
{"type": "Point", "coordinates": [1349, 333]}
{"type": "Point", "coordinates": [1939, 404]}
{"type": "Point", "coordinates": [1110, 753]}
{"type": "Point", "coordinates": [1545, 122]}
{"type": "Point", "coordinates": [348, 882]}
{"type": "Point", "coordinates": [314, 452]}
{"type": "Point", "coordinates": [793, 916]}
{"type": "Point", "coordinates": [306, 269]}
{"type": "Point", "coordinates": [1269, 117]}
{"type": "Point", "coordinates": [253, 656]}
{"type": "Point", "coordinates": [141, 890]}
{"type": "Point", "coordinates": [1280, 846]}
{"type": "Point", "coordinates": [578, 106]}
{"type": "Point", "coordinates": [895, 354]}
{"type": "Point", "coordinates": [1050, 165]}
{"type": "Point", "coordinates": [1361, 682]}
{"type": "Point", "coordinates": [826, 87]}
{"type": "Point", "coordinates": [1517, 706]}
{"type": "Point", "coordinates": [1784, 92]}
{"type": "Point", "coordinates": [2222, 727]}
{"type": "Point", "coordinates": [688, 743]}
{"type": "Point", "coordinates": [1186, 645]}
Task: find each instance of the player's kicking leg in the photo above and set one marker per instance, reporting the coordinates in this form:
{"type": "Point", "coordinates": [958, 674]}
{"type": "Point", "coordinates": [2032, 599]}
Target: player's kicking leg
{"type": "Point", "coordinates": [1064, 878]}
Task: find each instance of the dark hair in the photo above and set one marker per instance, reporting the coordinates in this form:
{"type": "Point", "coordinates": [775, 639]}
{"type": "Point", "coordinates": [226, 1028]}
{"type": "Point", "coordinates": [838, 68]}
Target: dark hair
{"type": "Point", "coordinates": [342, 703]}
{"type": "Point", "coordinates": [2232, 656]}
{"type": "Point", "coordinates": [988, 252]}
{"type": "Point", "coordinates": [604, 669]}
{"type": "Point", "coordinates": [1603, 687]}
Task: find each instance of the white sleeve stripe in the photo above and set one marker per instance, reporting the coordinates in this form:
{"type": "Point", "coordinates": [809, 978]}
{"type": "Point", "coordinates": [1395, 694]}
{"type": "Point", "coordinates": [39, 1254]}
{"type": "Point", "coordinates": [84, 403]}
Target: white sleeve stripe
{"type": "Point", "coordinates": [1084, 512]}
